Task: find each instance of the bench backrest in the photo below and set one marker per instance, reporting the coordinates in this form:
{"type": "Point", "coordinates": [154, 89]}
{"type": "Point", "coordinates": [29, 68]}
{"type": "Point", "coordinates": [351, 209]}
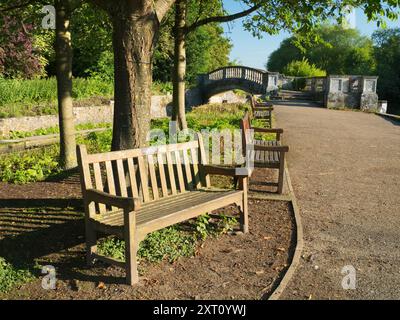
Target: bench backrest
{"type": "Point", "coordinates": [148, 173]}
{"type": "Point", "coordinates": [253, 103]}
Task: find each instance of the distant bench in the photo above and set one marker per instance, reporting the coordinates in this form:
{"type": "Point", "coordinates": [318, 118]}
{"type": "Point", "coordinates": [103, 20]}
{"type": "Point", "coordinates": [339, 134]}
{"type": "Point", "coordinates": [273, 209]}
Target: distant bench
{"type": "Point", "coordinates": [134, 192]}
{"type": "Point", "coordinates": [261, 110]}
{"type": "Point", "coordinates": [264, 153]}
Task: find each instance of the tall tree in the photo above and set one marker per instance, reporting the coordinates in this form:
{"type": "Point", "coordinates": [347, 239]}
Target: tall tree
{"type": "Point", "coordinates": [206, 14]}
{"type": "Point", "coordinates": [63, 50]}
{"type": "Point", "coordinates": [136, 26]}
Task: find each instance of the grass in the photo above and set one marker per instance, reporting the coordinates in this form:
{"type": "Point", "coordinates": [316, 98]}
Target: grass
{"type": "Point", "coordinates": [39, 96]}
{"type": "Point", "coordinates": [173, 242]}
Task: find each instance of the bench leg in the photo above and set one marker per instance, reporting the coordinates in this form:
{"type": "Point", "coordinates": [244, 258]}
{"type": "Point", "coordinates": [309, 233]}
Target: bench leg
{"type": "Point", "coordinates": [281, 173]}
{"type": "Point", "coordinates": [244, 216]}
{"type": "Point", "coordinates": [131, 248]}
{"type": "Point", "coordinates": [91, 244]}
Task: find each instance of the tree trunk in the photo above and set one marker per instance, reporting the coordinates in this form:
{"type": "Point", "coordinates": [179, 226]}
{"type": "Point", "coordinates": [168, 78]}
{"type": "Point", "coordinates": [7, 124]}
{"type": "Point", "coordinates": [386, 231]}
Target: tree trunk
{"type": "Point", "coordinates": [63, 50]}
{"type": "Point", "coordinates": [179, 77]}
{"type": "Point", "coordinates": [135, 28]}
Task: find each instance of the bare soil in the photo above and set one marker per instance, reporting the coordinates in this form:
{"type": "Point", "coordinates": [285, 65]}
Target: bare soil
{"type": "Point", "coordinates": [43, 222]}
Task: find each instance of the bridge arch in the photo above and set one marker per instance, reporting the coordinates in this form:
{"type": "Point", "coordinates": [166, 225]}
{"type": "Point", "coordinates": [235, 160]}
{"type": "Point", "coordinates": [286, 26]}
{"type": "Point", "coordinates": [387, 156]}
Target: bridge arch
{"type": "Point", "coordinates": [251, 80]}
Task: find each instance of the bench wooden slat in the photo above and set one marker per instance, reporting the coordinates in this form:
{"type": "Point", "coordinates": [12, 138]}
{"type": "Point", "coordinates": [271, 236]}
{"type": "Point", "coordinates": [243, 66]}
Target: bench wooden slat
{"type": "Point", "coordinates": [188, 172]}
{"type": "Point", "coordinates": [132, 178]}
{"type": "Point", "coordinates": [171, 202]}
{"type": "Point", "coordinates": [204, 161]}
{"type": "Point", "coordinates": [195, 160]}
{"type": "Point", "coordinates": [161, 168]}
{"type": "Point", "coordinates": [110, 180]}
{"type": "Point", "coordinates": [99, 184]}
{"type": "Point", "coordinates": [144, 180]}
{"type": "Point", "coordinates": [135, 153]}
{"type": "Point", "coordinates": [171, 174]}
{"type": "Point", "coordinates": [122, 178]}
{"type": "Point", "coordinates": [153, 178]}
{"type": "Point", "coordinates": [181, 202]}
{"type": "Point", "coordinates": [182, 187]}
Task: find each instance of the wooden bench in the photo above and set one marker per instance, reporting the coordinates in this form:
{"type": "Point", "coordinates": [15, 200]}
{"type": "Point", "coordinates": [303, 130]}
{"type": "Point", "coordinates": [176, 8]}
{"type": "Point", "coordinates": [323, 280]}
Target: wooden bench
{"type": "Point", "coordinates": [261, 110]}
{"type": "Point", "coordinates": [263, 153]}
{"type": "Point", "coordinates": [134, 192]}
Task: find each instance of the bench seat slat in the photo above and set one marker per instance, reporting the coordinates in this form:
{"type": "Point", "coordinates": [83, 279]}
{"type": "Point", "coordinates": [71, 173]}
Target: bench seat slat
{"type": "Point", "coordinates": [163, 208]}
{"type": "Point", "coordinates": [266, 157]}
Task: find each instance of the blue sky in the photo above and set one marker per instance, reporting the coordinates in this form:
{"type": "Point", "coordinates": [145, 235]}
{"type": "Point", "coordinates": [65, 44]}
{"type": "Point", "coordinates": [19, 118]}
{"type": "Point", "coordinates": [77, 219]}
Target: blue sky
{"type": "Point", "coordinates": [252, 52]}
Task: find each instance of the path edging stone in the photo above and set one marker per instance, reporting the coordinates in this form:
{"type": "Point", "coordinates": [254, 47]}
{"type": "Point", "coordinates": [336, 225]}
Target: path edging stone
{"type": "Point", "coordinates": [299, 243]}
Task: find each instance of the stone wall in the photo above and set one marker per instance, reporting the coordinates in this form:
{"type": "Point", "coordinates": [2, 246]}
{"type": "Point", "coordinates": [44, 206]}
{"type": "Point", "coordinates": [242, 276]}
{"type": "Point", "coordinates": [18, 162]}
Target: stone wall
{"type": "Point", "coordinates": [160, 108]}
{"type": "Point", "coordinates": [355, 92]}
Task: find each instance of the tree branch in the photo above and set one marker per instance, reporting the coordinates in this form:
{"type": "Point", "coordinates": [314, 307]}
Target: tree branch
{"type": "Point", "coordinates": [222, 18]}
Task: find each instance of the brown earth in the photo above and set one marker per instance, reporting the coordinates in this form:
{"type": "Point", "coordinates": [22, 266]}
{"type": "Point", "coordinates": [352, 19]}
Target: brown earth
{"type": "Point", "coordinates": [345, 171]}
{"type": "Point", "coordinates": [42, 222]}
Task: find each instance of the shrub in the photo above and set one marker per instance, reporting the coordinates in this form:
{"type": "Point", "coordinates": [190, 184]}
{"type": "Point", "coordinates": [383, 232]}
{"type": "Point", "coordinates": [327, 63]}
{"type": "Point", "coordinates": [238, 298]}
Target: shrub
{"type": "Point", "coordinates": [10, 276]}
{"type": "Point", "coordinates": [18, 57]}
{"type": "Point", "coordinates": [29, 166]}
{"type": "Point", "coordinates": [170, 243]}
{"type": "Point", "coordinates": [302, 68]}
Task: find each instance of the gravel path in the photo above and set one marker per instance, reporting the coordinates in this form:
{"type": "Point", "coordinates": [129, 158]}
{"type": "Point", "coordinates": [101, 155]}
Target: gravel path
{"type": "Point", "coordinates": [345, 170]}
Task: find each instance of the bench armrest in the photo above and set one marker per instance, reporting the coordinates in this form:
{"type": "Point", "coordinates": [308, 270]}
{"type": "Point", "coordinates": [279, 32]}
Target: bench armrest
{"type": "Point", "coordinates": [127, 203]}
{"type": "Point", "coordinates": [266, 130]}
{"type": "Point", "coordinates": [263, 107]}
{"type": "Point", "coordinates": [231, 172]}
{"type": "Point", "coordinates": [269, 148]}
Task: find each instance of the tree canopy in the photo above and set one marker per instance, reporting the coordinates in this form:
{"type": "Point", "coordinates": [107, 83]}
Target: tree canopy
{"type": "Point", "coordinates": [340, 51]}
{"type": "Point", "coordinates": [387, 53]}
{"type": "Point", "coordinates": [303, 68]}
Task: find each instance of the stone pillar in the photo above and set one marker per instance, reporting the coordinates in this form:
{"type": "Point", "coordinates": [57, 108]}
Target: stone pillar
{"type": "Point", "coordinates": [369, 98]}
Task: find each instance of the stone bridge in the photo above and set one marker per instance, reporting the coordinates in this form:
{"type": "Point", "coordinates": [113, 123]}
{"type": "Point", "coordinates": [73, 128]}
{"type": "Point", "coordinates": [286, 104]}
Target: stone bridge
{"type": "Point", "coordinates": [254, 81]}
{"type": "Point", "coordinates": [333, 91]}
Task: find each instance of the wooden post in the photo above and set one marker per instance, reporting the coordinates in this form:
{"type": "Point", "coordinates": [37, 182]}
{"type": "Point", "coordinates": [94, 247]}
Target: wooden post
{"type": "Point", "coordinates": [131, 247]}
{"type": "Point", "coordinates": [86, 183]}
{"type": "Point", "coordinates": [203, 160]}
{"type": "Point", "coordinates": [281, 172]}
{"type": "Point", "coordinates": [244, 217]}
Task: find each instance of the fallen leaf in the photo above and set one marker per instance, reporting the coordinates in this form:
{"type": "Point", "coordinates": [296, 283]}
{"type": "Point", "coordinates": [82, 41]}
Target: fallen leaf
{"type": "Point", "coordinates": [101, 285]}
